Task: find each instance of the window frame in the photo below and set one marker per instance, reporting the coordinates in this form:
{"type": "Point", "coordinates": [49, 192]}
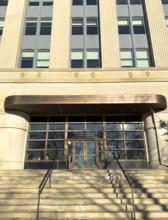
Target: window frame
{"type": "Point", "coordinates": [127, 59]}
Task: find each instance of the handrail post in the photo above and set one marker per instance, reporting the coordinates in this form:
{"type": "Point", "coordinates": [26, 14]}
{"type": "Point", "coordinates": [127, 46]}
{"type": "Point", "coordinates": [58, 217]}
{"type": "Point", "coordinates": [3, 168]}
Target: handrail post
{"type": "Point", "coordinates": [50, 181]}
{"type": "Point", "coordinates": [38, 205]}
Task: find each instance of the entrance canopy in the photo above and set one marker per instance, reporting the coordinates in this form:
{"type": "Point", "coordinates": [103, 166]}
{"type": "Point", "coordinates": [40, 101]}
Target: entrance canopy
{"type": "Point", "coordinates": [85, 104]}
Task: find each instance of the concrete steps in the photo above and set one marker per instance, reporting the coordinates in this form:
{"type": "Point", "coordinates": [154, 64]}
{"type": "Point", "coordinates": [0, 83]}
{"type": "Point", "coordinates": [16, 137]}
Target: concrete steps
{"type": "Point", "coordinates": [84, 194]}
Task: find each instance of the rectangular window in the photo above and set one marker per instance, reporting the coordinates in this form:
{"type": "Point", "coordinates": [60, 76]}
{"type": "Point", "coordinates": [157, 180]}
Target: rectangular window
{"type": "Point", "coordinates": [138, 25]}
{"type": "Point", "coordinates": [47, 2]}
{"type": "Point", "coordinates": [43, 58]}
{"type": "Point", "coordinates": [77, 2]}
{"type": "Point", "coordinates": [123, 26]}
{"type": "Point", "coordinates": [77, 26]}
{"type": "Point", "coordinates": [135, 2]}
{"type": "Point", "coordinates": [45, 28]}
{"type": "Point", "coordinates": [77, 59]}
{"type": "Point", "coordinates": [92, 27]}
{"type": "Point", "coordinates": [3, 2]}
{"type": "Point", "coordinates": [27, 59]}
{"type": "Point", "coordinates": [91, 2]}
{"type": "Point", "coordinates": [93, 59]}
{"type": "Point", "coordinates": [31, 26]}
{"type": "Point", "coordinates": [126, 58]}
{"type": "Point", "coordinates": [122, 2]}
{"type": "Point", "coordinates": [1, 25]}
{"type": "Point", "coordinates": [142, 58]}
{"type": "Point", "coordinates": [34, 2]}
{"type": "Point", "coordinates": [165, 2]}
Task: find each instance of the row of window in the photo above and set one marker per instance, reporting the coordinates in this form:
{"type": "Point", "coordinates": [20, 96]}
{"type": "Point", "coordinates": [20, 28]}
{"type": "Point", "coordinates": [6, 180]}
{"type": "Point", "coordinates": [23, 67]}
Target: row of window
{"type": "Point", "coordinates": [137, 23]}
{"type": "Point", "coordinates": [125, 2]}
{"type": "Point", "coordinates": [88, 2]}
{"type": "Point", "coordinates": [91, 23]}
{"type": "Point", "coordinates": [45, 26]}
{"type": "Point", "coordinates": [37, 2]}
{"type": "Point", "coordinates": [128, 58]}
{"type": "Point", "coordinates": [28, 59]}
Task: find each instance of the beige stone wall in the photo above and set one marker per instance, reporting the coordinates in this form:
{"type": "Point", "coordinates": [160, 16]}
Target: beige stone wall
{"type": "Point", "coordinates": [110, 50]}
{"type": "Point", "coordinates": [13, 138]}
{"type": "Point", "coordinates": [158, 32]}
{"type": "Point", "coordinates": [60, 37]}
{"type": "Point", "coordinates": [12, 34]}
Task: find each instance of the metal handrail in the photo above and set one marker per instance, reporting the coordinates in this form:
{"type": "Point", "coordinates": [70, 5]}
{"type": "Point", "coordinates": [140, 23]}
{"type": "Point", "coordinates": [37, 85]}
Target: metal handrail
{"type": "Point", "coordinates": [43, 183]}
{"type": "Point", "coordinates": [130, 184]}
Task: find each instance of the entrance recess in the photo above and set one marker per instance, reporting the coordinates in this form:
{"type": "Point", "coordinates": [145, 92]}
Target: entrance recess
{"type": "Point", "coordinates": [85, 154]}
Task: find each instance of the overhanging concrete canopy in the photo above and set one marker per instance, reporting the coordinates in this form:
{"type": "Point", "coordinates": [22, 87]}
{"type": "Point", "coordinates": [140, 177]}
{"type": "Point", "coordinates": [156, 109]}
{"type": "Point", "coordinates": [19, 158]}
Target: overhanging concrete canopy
{"type": "Point", "coordinates": [85, 104]}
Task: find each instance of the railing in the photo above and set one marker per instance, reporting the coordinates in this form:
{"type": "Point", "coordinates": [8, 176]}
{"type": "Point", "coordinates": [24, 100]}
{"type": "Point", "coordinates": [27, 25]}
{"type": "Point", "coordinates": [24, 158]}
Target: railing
{"type": "Point", "coordinates": [130, 184]}
{"type": "Point", "coordinates": [43, 183]}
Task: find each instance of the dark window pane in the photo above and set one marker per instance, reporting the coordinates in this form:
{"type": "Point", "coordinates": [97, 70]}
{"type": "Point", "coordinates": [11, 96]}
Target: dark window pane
{"type": "Point", "coordinates": [76, 63]}
{"type": "Point", "coordinates": [114, 135]}
{"type": "Point", "coordinates": [134, 144]}
{"type": "Point", "coordinates": [117, 127]}
{"type": "Point", "coordinates": [45, 31]}
{"type": "Point", "coordinates": [77, 2]}
{"type": "Point", "coordinates": [118, 154]}
{"type": "Point", "coordinates": [38, 127]}
{"type": "Point", "coordinates": [77, 30]}
{"type": "Point", "coordinates": [35, 155]}
{"type": "Point", "coordinates": [51, 155]}
{"type": "Point", "coordinates": [55, 145]}
{"type": "Point", "coordinates": [136, 155]}
{"type": "Point", "coordinates": [132, 118]}
{"type": "Point", "coordinates": [36, 145]}
{"type": "Point", "coordinates": [37, 135]}
{"type": "Point", "coordinates": [76, 127]}
{"type": "Point", "coordinates": [34, 3]}
{"type": "Point", "coordinates": [115, 145]}
{"type": "Point", "coordinates": [27, 63]}
{"type": "Point", "coordinates": [92, 30]}
{"type": "Point", "coordinates": [1, 31]}
{"type": "Point", "coordinates": [132, 127]}
{"type": "Point", "coordinates": [121, 2]}
{"type": "Point", "coordinates": [91, 2]}
{"type": "Point", "coordinates": [48, 3]}
{"type": "Point", "coordinates": [30, 30]}
{"type": "Point", "coordinates": [56, 135]}
{"type": "Point", "coordinates": [56, 119]}
{"type": "Point", "coordinates": [113, 118]}
{"type": "Point", "coordinates": [76, 119]}
{"type": "Point", "coordinates": [124, 30]}
{"type": "Point", "coordinates": [165, 1]}
{"type": "Point", "coordinates": [135, 2]}
{"type": "Point", "coordinates": [94, 127]}
{"type": "Point", "coordinates": [94, 118]}
{"type": "Point", "coordinates": [139, 29]}
{"type": "Point", "coordinates": [93, 64]}
{"type": "Point", "coordinates": [38, 119]}
{"type": "Point", "coordinates": [3, 2]}
{"type": "Point", "coordinates": [56, 126]}
{"type": "Point", "coordinates": [133, 135]}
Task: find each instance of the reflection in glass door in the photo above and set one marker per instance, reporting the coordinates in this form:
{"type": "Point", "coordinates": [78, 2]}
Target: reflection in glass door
{"type": "Point", "coordinates": [91, 153]}
{"type": "Point", "coordinates": [79, 154]}
{"type": "Point", "coordinates": [85, 154]}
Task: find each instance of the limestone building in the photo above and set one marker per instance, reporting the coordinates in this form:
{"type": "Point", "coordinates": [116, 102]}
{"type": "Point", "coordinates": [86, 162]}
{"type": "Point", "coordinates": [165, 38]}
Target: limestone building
{"type": "Point", "coordinates": [82, 79]}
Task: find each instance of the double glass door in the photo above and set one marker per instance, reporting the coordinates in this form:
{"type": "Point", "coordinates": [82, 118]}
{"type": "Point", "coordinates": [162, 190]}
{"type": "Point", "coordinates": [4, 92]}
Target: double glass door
{"type": "Point", "coordinates": [85, 154]}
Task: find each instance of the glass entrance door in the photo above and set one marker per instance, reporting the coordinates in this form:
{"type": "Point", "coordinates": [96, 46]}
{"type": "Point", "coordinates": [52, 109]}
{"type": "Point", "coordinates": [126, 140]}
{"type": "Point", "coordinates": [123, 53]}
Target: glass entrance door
{"type": "Point", "coordinates": [85, 154]}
